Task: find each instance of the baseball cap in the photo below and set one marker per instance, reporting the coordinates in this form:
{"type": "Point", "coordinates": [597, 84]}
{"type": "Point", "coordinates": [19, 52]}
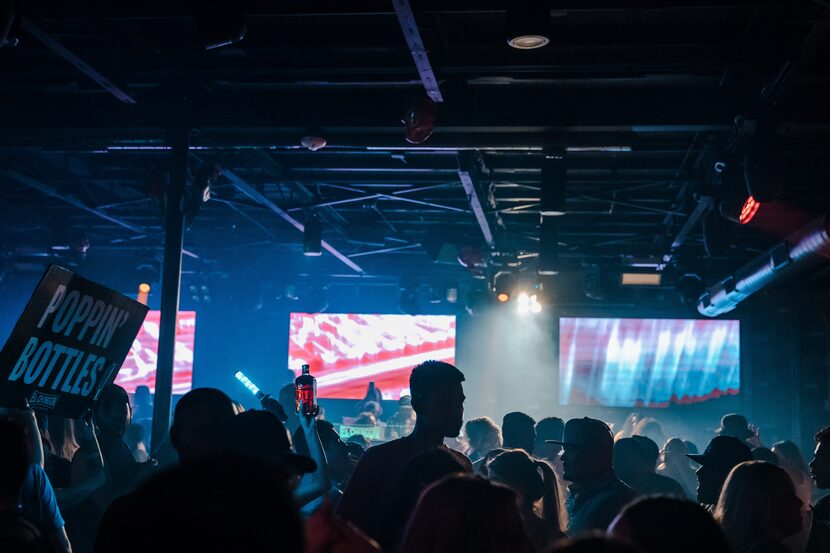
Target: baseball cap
{"type": "Point", "coordinates": [724, 451]}
{"type": "Point", "coordinates": [586, 432]}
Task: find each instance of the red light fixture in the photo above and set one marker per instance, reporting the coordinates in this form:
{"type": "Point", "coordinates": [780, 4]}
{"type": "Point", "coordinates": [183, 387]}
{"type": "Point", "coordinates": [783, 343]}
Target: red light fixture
{"type": "Point", "coordinates": [502, 297]}
{"type": "Point", "coordinates": [748, 211]}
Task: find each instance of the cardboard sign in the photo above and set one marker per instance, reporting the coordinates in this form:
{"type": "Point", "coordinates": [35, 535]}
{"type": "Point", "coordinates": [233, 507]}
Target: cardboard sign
{"type": "Point", "coordinates": [68, 344]}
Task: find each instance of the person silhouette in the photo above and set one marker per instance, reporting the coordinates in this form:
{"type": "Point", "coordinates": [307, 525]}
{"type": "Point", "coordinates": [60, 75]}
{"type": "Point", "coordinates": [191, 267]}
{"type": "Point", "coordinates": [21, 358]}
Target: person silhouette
{"type": "Point", "coordinates": [438, 401]}
{"type": "Point", "coordinates": [595, 495]}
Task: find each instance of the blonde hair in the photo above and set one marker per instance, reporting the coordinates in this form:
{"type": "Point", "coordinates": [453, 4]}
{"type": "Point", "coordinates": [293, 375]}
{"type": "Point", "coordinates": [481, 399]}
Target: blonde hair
{"type": "Point", "coordinates": [750, 506]}
{"type": "Point", "coordinates": [477, 431]}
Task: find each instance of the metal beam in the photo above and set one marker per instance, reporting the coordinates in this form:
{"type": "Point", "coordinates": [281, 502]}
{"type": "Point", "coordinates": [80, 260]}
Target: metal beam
{"type": "Point", "coordinates": [700, 210]}
{"type": "Point", "coordinates": [49, 191]}
{"type": "Point", "coordinates": [475, 204]}
{"type": "Point", "coordinates": [386, 250]}
{"type": "Point", "coordinates": [409, 26]}
{"type": "Point", "coordinates": [262, 199]}
{"type": "Point", "coordinates": [79, 64]}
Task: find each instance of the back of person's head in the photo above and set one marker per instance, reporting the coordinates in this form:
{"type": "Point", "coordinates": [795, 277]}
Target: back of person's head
{"type": "Point", "coordinates": [262, 436]}
{"type": "Point", "coordinates": [734, 425]}
{"type": "Point", "coordinates": [483, 435]}
{"type": "Point", "coordinates": [650, 428]}
{"type": "Point", "coordinates": [217, 504]}
{"type": "Point", "coordinates": [196, 421]}
{"type": "Point", "coordinates": [594, 543]}
{"type": "Point", "coordinates": [14, 459]}
{"type": "Point", "coordinates": [424, 469]}
{"type": "Point", "coordinates": [19, 535]}
{"type": "Point", "coordinates": [631, 463]}
{"type": "Point", "coordinates": [820, 465]}
{"type": "Point", "coordinates": [675, 447]}
{"type": "Point", "coordinates": [141, 397]}
{"type": "Point", "coordinates": [531, 479]}
{"type": "Point", "coordinates": [650, 448]}
{"type": "Point", "coordinates": [758, 503]}
{"type": "Point", "coordinates": [550, 428]}
{"type": "Point", "coordinates": [789, 456]}
{"type": "Point", "coordinates": [518, 431]}
{"type": "Point", "coordinates": [465, 513]}
{"type": "Point", "coordinates": [660, 524]}
{"type": "Point", "coordinates": [438, 397]}
{"type": "Point", "coordinates": [764, 454]}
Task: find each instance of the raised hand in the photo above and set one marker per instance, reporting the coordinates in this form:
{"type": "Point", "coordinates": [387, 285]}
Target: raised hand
{"type": "Point", "coordinates": [273, 406]}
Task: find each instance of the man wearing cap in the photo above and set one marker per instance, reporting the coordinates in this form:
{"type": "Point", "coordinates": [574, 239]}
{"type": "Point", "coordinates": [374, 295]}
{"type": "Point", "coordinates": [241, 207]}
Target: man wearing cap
{"type": "Point", "coordinates": [721, 455]}
{"type": "Point", "coordinates": [595, 495]}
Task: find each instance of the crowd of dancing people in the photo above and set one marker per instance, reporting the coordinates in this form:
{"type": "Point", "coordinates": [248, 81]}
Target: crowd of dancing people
{"type": "Point", "coordinates": [227, 479]}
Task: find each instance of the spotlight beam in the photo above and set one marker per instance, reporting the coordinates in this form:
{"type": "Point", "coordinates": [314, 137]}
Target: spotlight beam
{"type": "Point", "coordinates": [241, 185]}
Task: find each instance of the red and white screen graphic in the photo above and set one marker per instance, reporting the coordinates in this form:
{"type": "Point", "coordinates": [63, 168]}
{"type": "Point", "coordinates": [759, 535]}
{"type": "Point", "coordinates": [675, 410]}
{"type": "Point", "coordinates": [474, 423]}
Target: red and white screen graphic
{"type": "Point", "coordinates": [347, 351]}
{"type": "Point", "coordinates": [139, 367]}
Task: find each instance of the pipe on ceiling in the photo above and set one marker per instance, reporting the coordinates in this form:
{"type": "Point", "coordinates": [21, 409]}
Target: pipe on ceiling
{"type": "Point", "coordinates": [805, 248]}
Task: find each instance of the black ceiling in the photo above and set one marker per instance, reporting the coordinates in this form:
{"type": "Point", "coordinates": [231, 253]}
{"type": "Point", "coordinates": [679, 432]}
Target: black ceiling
{"type": "Point", "coordinates": [637, 100]}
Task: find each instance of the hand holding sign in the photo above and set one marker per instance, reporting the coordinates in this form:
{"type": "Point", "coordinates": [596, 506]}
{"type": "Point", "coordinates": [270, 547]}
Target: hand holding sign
{"type": "Point", "coordinates": [68, 344]}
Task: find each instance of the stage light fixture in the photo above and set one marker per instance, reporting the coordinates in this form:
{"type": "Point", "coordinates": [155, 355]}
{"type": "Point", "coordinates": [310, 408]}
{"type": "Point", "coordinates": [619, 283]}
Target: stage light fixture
{"type": "Point", "coordinates": [689, 287]}
{"type": "Point", "coordinates": [553, 190]}
{"type": "Point", "coordinates": [748, 211]}
{"type": "Point", "coordinates": [737, 203]}
{"type": "Point", "coordinates": [503, 286]}
{"type": "Point", "coordinates": [528, 24]}
{"type": "Point", "coordinates": [312, 237]}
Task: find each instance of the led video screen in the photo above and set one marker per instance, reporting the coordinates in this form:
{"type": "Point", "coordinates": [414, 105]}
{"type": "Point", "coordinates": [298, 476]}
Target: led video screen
{"type": "Point", "coordinates": [139, 367]}
{"type": "Point", "coordinates": [647, 362]}
{"type": "Point", "coordinates": [347, 351]}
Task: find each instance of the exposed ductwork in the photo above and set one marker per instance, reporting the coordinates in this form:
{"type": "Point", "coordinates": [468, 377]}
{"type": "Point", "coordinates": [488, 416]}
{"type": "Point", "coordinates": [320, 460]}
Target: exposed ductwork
{"type": "Point", "coordinates": [800, 251]}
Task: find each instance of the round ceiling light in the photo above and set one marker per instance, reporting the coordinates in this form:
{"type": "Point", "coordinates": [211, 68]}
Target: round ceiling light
{"type": "Point", "coordinates": [528, 42]}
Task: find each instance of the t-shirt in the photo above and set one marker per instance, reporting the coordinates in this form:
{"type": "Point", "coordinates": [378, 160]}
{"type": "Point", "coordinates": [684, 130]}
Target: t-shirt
{"type": "Point", "coordinates": [369, 493]}
{"type": "Point", "coordinates": [37, 501]}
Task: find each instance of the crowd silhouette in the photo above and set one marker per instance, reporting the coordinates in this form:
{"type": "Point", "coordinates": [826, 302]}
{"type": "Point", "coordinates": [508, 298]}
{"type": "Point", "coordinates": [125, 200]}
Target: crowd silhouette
{"type": "Point", "coordinates": [226, 479]}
